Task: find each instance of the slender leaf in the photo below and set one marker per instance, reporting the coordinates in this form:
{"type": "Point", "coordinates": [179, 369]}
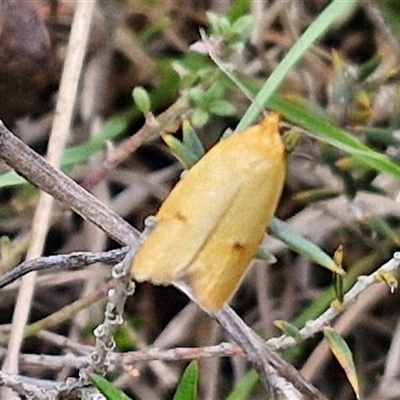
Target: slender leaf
{"type": "Point", "coordinates": [303, 246]}
{"type": "Point", "coordinates": [288, 329]}
{"type": "Point", "coordinates": [338, 279]}
{"type": "Point", "coordinates": [296, 113]}
{"type": "Point", "coordinates": [245, 387]}
{"type": "Point", "coordinates": [187, 388]}
{"type": "Point", "coordinates": [107, 389]}
{"type": "Point", "coordinates": [189, 150]}
{"type": "Point", "coordinates": [192, 140]}
{"type": "Point", "coordinates": [11, 178]}
{"type": "Point", "coordinates": [342, 353]}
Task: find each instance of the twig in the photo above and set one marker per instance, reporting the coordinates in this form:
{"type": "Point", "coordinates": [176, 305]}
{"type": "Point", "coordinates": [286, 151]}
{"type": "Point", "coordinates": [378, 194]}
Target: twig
{"type": "Point", "coordinates": [162, 123]}
{"type": "Point", "coordinates": [266, 361]}
{"type": "Point", "coordinates": [55, 362]}
{"type": "Point", "coordinates": [64, 343]}
{"type": "Point", "coordinates": [104, 333]}
{"type": "Point", "coordinates": [57, 340]}
{"type": "Point", "coordinates": [39, 172]}
{"type": "Point", "coordinates": [24, 389]}
{"type": "Point", "coordinates": [80, 259]}
{"type": "Point", "coordinates": [312, 327]}
{"type": "Point", "coordinates": [64, 261]}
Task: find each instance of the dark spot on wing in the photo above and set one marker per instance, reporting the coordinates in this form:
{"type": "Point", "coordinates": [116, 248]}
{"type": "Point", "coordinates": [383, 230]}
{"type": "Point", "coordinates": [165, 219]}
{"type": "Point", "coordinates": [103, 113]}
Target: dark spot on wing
{"type": "Point", "coordinates": [237, 246]}
{"type": "Point", "coordinates": [180, 217]}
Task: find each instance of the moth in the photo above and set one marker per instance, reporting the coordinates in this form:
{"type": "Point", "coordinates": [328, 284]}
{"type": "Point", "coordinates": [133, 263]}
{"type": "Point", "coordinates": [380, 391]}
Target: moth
{"type": "Point", "coordinates": [210, 226]}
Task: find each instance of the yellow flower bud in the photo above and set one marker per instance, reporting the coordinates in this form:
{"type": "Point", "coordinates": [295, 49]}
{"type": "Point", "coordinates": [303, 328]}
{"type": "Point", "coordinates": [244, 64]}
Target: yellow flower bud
{"type": "Point", "coordinates": [212, 223]}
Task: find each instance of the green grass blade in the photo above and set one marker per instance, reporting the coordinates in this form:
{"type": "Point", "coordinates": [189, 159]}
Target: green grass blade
{"type": "Point", "coordinates": [300, 115]}
{"type": "Point", "coordinates": [321, 24]}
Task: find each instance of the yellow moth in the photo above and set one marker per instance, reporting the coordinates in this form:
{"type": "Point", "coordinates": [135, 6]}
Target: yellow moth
{"type": "Point", "coordinates": [212, 223]}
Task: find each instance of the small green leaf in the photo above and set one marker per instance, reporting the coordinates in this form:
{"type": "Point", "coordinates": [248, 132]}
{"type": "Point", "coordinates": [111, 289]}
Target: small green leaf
{"type": "Point", "coordinates": [187, 388]}
{"type": "Point", "coordinates": [180, 151]}
{"type": "Point", "coordinates": [288, 329]}
{"type": "Point", "coordinates": [192, 141]}
{"type": "Point", "coordinates": [200, 117]}
{"type": "Point", "coordinates": [338, 279]}
{"type": "Point", "coordinates": [190, 150]}
{"type": "Point", "coordinates": [342, 353]}
{"type": "Point", "coordinates": [107, 389]}
{"type": "Point", "coordinates": [301, 245]}
{"type": "Point", "coordinates": [290, 139]}
{"type": "Point", "coordinates": [198, 96]}
{"type": "Point", "coordinates": [338, 285]}
{"type": "Point", "coordinates": [142, 99]}
{"type": "Point", "coordinates": [244, 25]}
{"type": "Point", "coordinates": [220, 24]}
{"type": "Point", "coordinates": [222, 108]}
{"type": "Point", "coordinates": [266, 256]}
{"type": "Point", "coordinates": [314, 195]}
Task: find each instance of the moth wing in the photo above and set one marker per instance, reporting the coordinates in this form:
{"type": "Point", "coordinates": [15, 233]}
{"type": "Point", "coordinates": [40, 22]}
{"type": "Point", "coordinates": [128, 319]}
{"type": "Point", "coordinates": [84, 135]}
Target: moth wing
{"type": "Point", "coordinates": [186, 219]}
{"type": "Point", "coordinates": [220, 266]}
{"type": "Point", "coordinates": [205, 232]}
